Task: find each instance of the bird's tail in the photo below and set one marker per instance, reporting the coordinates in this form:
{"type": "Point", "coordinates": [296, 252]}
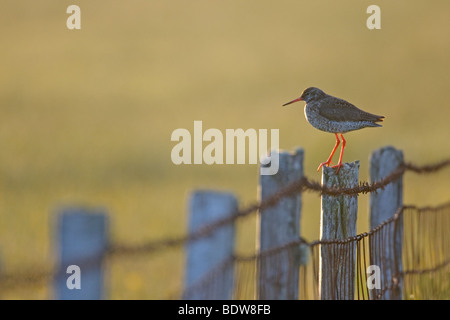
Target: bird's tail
{"type": "Point", "coordinates": [373, 119]}
{"type": "Point", "coordinates": [379, 119]}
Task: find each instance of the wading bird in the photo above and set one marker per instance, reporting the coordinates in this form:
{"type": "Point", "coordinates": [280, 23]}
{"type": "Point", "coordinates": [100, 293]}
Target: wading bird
{"type": "Point", "coordinates": [331, 114]}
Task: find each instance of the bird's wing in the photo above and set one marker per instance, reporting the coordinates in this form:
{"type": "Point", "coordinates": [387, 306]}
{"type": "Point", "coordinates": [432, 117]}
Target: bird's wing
{"type": "Point", "coordinates": [342, 110]}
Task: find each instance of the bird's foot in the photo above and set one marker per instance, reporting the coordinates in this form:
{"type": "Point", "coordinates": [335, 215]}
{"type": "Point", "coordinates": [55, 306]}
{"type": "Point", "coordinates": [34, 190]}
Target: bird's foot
{"type": "Point", "coordinates": [338, 167]}
{"type": "Point", "coordinates": [326, 163]}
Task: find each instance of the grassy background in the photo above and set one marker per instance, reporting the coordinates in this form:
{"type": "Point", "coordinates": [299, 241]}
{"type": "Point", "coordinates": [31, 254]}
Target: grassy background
{"type": "Point", "coordinates": [86, 116]}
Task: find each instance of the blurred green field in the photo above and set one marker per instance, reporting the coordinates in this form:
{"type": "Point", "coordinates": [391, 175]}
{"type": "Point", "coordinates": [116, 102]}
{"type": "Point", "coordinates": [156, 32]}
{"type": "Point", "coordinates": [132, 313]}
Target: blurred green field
{"type": "Point", "coordinates": [86, 116]}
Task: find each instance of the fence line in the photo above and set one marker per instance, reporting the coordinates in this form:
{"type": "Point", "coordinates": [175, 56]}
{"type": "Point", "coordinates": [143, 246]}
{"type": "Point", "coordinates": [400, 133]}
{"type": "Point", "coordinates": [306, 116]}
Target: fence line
{"type": "Point", "coordinates": [298, 186]}
{"type": "Point", "coordinates": [25, 278]}
{"type": "Point", "coordinates": [364, 252]}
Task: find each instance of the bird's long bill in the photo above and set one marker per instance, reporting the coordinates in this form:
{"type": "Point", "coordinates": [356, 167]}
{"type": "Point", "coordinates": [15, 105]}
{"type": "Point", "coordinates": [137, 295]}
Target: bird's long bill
{"type": "Point", "coordinates": [295, 100]}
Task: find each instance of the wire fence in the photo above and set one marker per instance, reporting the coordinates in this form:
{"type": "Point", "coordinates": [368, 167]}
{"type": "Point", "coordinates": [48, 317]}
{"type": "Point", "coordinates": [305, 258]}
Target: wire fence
{"type": "Point", "coordinates": [301, 185]}
{"type": "Point", "coordinates": [426, 260]}
{"type": "Point", "coordinates": [425, 251]}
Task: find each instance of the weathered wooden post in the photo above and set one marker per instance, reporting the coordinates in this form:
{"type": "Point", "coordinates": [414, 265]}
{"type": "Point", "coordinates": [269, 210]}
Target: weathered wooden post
{"type": "Point", "coordinates": [209, 265]}
{"type": "Point", "coordinates": [82, 242]}
{"type": "Point", "coordinates": [338, 222]}
{"type": "Point", "coordinates": [279, 225]}
{"type": "Point", "coordinates": [383, 204]}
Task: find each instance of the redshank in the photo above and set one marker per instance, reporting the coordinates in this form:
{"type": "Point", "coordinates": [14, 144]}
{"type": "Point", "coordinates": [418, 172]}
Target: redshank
{"type": "Point", "coordinates": [331, 114]}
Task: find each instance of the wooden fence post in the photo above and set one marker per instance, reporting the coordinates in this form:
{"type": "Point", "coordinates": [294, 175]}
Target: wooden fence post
{"type": "Point", "coordinates": [209, 264]}
{"type": "Point", "coordinates": [279, 225]}
{"type": "Point", "coordinates": [338, 221]}
{"type": "Point", "coordinates": [383, 204]}
{"type": "Point", "coordinates": [82, 242]}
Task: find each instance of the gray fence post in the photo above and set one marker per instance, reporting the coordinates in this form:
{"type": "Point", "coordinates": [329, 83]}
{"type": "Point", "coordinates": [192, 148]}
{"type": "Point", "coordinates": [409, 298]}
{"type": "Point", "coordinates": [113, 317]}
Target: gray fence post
{"type": "Point", "coordinates": [279, 225]}
{"type": "Point", "coordinates": [338, 221]}
{"type": "Point", "coordinates": [209, 264]}
{"type": "Point", "coordinates": [383, 204]}
{"type": "Point", "coordinates": [82, 238]}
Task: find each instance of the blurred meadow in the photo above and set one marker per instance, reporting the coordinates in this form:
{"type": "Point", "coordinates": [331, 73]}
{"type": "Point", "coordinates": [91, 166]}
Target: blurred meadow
{"type": "Point", "coordinates": [86, 116]}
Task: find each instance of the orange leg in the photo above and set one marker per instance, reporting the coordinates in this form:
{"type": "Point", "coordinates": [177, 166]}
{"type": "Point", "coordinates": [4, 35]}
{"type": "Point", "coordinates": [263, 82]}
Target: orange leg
{"type": "Point", "coordinates": [327, 163]}
{"type": "Point", "coordinates": [339, 165]}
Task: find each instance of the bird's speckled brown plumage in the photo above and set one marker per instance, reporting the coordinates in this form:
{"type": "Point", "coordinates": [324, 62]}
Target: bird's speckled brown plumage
{"type": "Point", "coordinates": [331, 114]}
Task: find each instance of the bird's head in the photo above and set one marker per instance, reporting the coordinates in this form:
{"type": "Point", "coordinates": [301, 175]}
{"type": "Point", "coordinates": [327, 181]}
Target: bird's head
{"type": "Point", "coordinates": [308, 95]}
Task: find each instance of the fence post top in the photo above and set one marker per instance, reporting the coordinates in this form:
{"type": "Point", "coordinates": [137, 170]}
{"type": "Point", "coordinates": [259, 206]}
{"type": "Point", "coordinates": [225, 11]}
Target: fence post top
{"type": "Point", "coordinates": [295, 151]}
{"type": "Point", "coordinates": [81, 215]}
{"type": "Point", "coordinates": [387, 150]}
{"type": "Point", "coordinates": [82, 210]}
{"type": "Point", "coordinates": [346, 169]}
{"type": "Point", "coordinates": [212, 195]}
